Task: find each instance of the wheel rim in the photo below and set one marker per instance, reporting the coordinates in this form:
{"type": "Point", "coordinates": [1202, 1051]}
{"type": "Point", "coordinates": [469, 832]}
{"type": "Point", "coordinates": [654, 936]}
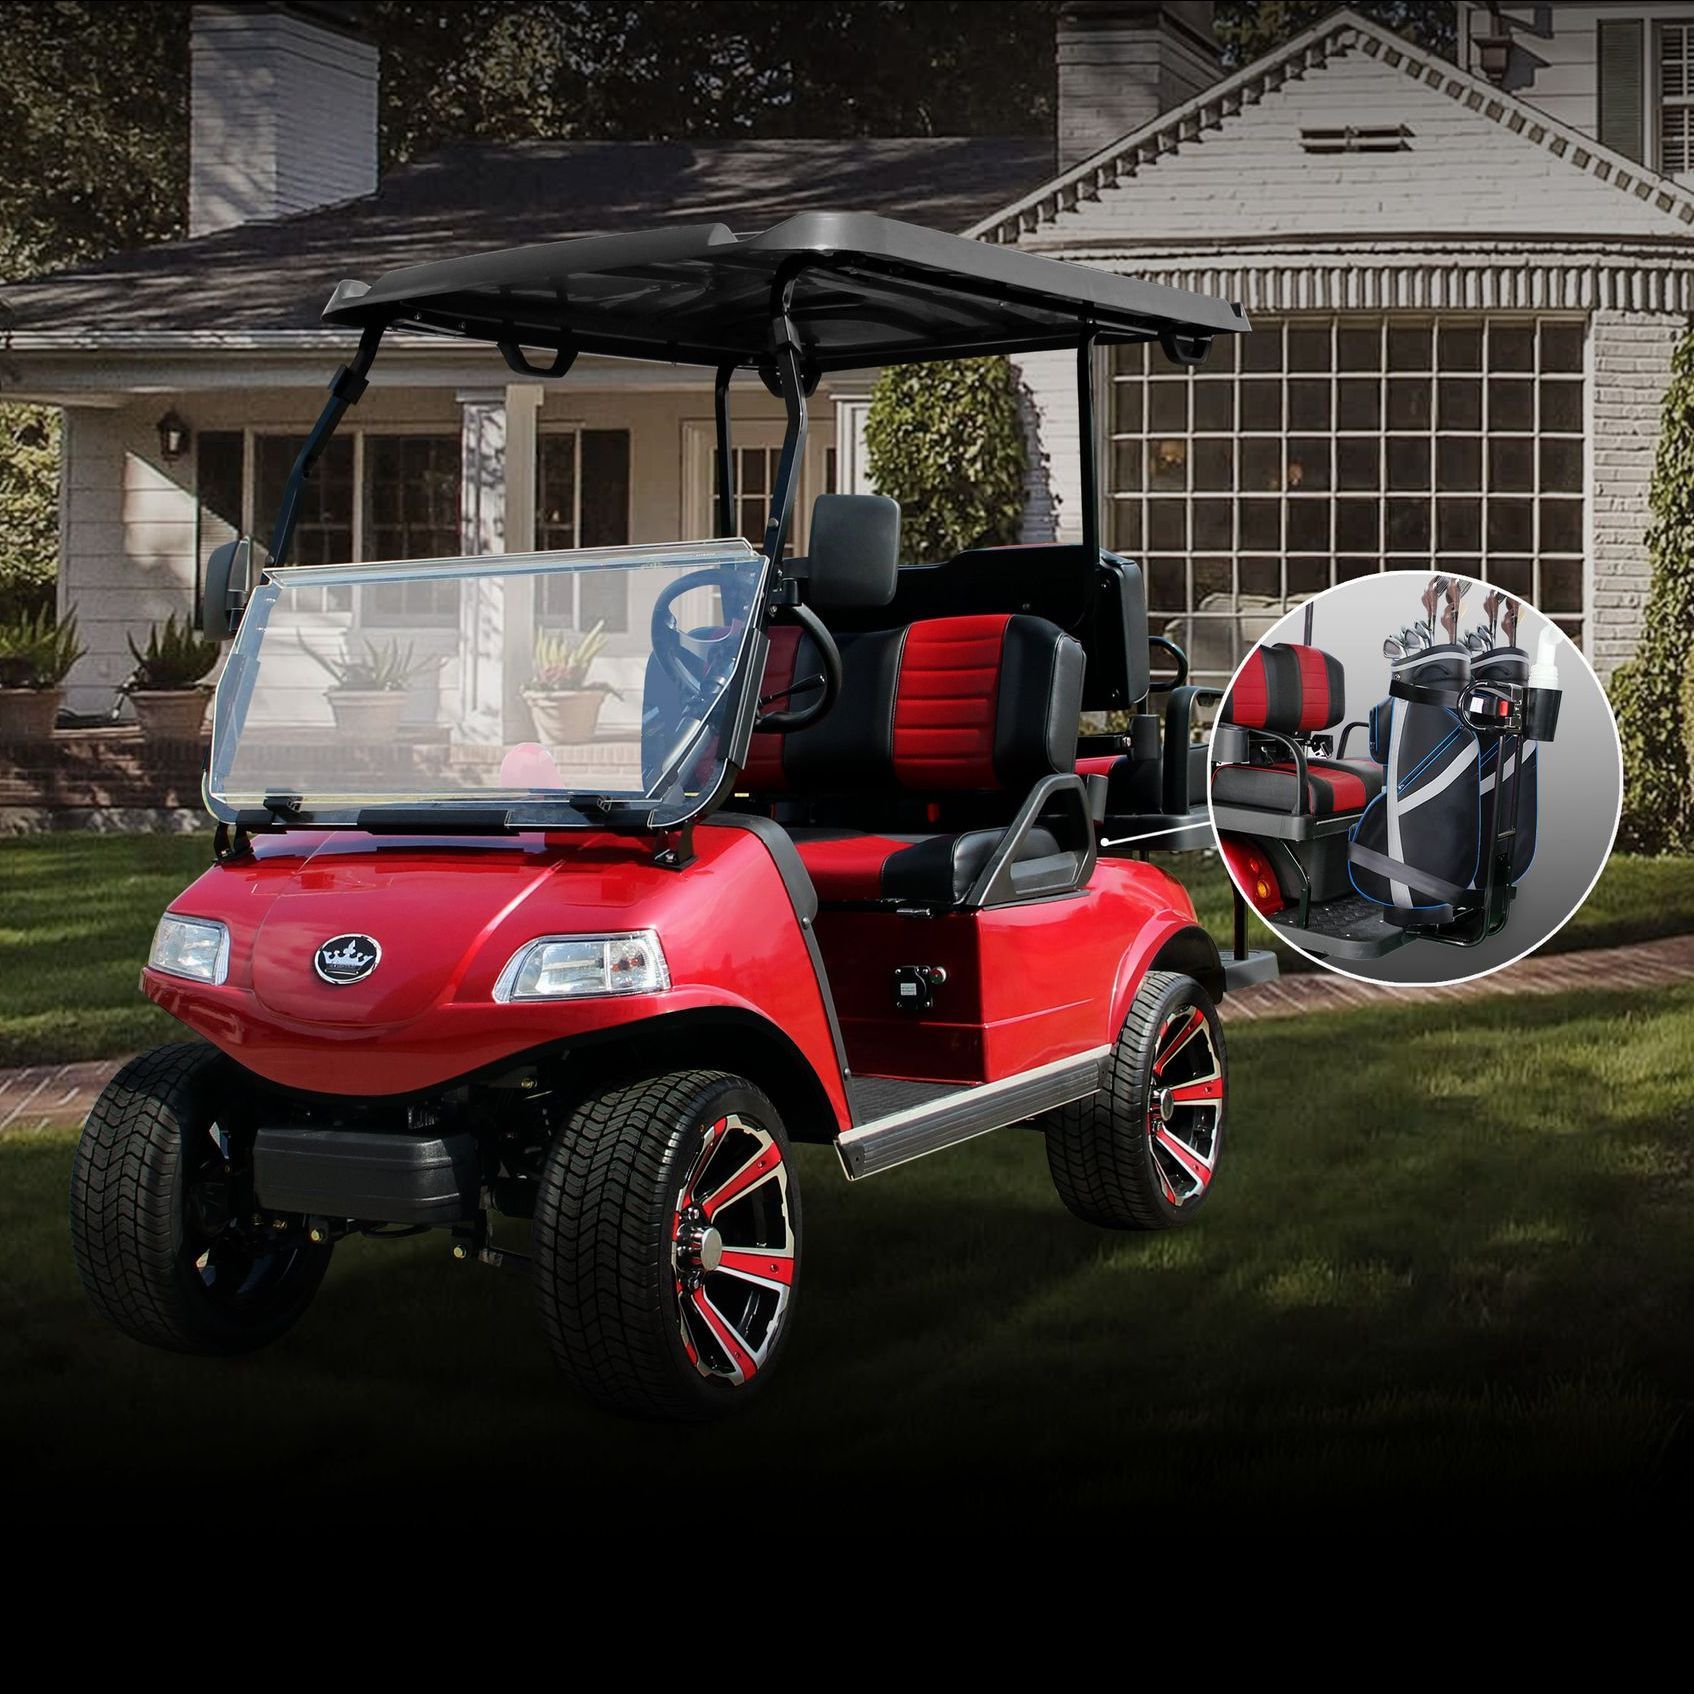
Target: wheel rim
{"type": "Point", "coordinates": [1185, 1106]}
{"type": "Point", "coordinates": [237, 1265]}
{"type": "Point", "coordinates": [732, 1250]}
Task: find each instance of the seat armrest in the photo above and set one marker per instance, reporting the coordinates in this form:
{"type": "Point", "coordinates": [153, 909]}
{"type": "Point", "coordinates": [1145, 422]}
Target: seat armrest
{"type": "Point", "coordinates": [1346, 730]}
{"type": "Point", "coordinates": [1179, 733]}
{"type": "Point", "coordinates": [1065, 797]}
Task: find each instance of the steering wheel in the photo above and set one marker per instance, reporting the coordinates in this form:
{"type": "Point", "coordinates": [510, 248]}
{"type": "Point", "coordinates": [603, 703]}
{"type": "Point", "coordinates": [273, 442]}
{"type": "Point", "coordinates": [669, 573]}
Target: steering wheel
{"type": "Point", "coordinates": [688, 657]}
{"type": "Point", "coordinates": [827, 686]}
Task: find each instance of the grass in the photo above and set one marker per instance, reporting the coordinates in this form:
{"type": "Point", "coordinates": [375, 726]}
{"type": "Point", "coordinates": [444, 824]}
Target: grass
{"type": "Point", "coordinates": [1446, 1273]}
{"type": "Point", "coordinates": [77, 913]}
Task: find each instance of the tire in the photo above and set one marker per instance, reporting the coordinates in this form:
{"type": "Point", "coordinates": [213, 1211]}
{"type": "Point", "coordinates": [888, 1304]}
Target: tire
{"type": "Point", "coordinates": [1131, 1157]}
{"type": "Point", "coordinates": [161, 1214]}
{"type": "Point", "coordinates": [634, 1236]}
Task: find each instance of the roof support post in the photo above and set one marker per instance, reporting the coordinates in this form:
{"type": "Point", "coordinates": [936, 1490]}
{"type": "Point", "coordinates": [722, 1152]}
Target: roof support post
{"type": "Point", "coordinates": [726, 465]}
{"type": "Point", "coordinates": [1087, 441]}
{"type": "Point", "coordinates": [790, 383]}
{"type": "Point", "coordinates": [345, 389]}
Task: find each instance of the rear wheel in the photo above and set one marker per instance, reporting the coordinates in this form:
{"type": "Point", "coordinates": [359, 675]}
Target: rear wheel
{"type": "Point", "coordinates": [1142, 1153]}
{"type": "Point", "coordinates": [667, 1244]}
{"type": "Point", "coordinates": [162, 1213]}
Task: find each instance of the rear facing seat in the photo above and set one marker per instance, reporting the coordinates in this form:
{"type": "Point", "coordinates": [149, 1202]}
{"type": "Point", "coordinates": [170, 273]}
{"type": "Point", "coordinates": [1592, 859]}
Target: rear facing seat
{"type": "Point", "coordinates": [1294, 691]}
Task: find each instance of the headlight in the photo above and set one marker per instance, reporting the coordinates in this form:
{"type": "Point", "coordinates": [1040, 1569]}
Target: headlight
{"type": "Point", "coordinates": [574, 967]}
{"type": "Point", "coordinates": [191, 947]}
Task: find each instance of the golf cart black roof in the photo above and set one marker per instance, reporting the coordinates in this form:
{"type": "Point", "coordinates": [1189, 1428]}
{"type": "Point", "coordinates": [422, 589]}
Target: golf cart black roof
{"type": "Point", "coordinates": [869, 291]}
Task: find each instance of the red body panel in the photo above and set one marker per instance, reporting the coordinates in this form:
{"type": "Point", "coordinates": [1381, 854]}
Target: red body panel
{"type": "Point", "coordinates": [1025, 984]}
{"type": "Point", "coordinates": [449, 913]}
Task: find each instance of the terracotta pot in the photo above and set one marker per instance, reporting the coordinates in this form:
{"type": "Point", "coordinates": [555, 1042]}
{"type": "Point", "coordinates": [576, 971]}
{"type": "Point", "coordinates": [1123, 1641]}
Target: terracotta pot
{"type": "Point", "coordinates": [28, 714]}
{"type": "Point", "coordinates": [170, 714]}
{"type": "Point", "coordinates": [565, 720]}
{"type": "Point", "coordinates": [367, 714]}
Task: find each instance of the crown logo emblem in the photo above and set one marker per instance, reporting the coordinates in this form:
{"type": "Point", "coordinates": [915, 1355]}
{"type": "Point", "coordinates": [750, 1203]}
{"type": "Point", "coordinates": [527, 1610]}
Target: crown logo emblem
{"type": "Point", "coordinates": [346, 958]}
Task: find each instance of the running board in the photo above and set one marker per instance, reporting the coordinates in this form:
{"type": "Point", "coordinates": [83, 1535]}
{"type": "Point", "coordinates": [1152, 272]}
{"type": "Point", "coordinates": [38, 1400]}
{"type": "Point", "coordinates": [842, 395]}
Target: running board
{"type": "Point", "coordinates": [883, 1143]}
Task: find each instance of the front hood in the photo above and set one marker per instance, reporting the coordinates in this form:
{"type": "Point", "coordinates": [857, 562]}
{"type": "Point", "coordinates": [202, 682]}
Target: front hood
{"type": "Point", "coordinates": [428, 917]}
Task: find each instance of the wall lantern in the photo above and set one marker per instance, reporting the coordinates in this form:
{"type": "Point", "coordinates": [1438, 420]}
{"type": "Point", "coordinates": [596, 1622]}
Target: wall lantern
{"type": "Point", "coordinates": [174, 436]}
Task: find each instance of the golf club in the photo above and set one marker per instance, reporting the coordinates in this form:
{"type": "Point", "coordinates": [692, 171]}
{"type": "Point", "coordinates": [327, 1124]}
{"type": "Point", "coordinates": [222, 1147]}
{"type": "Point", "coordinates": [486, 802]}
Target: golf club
{"type": "Point", "coordinates": [1392, 649]}
{"type": "Point", "coordinates": [1491, 609]}
{"type": "Point", "coordinates": [1509, 618]}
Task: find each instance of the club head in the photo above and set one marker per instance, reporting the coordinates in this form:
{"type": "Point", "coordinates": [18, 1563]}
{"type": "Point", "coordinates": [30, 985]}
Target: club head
{"type": "Point", "coordinates": [1391, 649]}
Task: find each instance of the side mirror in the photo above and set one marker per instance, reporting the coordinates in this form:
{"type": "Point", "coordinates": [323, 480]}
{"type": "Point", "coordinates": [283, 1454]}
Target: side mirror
{"type": "Point", "coordinates": [228, 575]}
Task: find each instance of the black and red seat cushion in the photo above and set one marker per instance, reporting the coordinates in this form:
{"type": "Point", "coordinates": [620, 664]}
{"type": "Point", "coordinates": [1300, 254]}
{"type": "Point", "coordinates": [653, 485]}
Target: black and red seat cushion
{"type": "Point", "coordinates": [1287, 688]}
{"type": "Point", "coordinates": [1332, 785]}
{"type": "Point", "coordinates": [970, 705]}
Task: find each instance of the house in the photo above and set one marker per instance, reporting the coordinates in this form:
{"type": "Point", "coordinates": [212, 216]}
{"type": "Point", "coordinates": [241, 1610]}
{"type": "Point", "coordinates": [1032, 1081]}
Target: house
{"type": "Point", "coordinates": [1466, 281]}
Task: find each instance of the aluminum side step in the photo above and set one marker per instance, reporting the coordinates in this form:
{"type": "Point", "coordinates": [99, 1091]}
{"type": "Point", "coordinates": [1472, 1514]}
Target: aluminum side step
{"type": "Point", "coordinates": [884, 1142]}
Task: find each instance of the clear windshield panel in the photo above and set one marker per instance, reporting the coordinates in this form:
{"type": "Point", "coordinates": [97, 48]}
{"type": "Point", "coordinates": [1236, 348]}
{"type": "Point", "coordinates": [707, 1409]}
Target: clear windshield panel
{"type": "Point", "coordinates": [566, 686]}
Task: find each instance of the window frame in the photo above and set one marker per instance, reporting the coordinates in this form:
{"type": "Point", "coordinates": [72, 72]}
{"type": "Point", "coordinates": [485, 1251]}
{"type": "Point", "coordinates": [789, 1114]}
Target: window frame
{"type": "Point", "coordinates": [1661, 102]}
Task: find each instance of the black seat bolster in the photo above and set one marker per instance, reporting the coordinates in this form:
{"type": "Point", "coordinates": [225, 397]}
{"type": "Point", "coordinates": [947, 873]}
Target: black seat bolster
{"type": "Point", "coordinates": [943, 868]}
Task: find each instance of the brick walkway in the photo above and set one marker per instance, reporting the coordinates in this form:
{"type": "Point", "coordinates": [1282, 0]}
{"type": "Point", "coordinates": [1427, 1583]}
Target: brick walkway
{"type": "Point", "coordinates": [43, 1096]}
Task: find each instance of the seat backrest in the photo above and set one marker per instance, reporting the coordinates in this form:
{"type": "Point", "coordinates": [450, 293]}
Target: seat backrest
{"type": "Point", "coordinates": [948, 705]}
{"type": "Point", "coordinates": [1101, 600]}
{"type": "Point", "coordinates": [1289, 689]}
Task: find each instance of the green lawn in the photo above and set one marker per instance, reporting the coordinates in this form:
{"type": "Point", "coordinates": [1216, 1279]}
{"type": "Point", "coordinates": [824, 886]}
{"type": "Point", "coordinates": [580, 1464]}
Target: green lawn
{"type": "Point", "coordinates": [1446, 1273]}
{"type": "Point", "coordinates": [77, 913]}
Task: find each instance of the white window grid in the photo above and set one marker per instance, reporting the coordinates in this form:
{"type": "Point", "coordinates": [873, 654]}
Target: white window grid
{"type": "Point", "coordinates": [1676, 98]}
{"type": "Point", "coordinates": [1498, 397]}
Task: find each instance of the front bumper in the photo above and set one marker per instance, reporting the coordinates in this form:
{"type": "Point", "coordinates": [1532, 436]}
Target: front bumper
{"type": "Point", "coordinates": [374, 1177]}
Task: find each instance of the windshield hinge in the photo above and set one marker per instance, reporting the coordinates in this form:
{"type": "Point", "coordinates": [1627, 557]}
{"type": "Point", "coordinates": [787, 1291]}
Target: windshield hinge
{"type": "Point", "coordinates": [677, 850]}
{"type": "Point", "coordinates": [283, 806]}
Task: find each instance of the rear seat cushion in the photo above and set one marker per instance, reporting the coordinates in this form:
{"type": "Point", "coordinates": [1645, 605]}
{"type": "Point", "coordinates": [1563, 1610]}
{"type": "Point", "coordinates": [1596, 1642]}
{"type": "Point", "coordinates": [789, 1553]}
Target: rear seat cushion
{"type": "Point", "coordinates": [923, 869]}
{"type": "Point", "coordinates": [1290, 689]}
{"type": "Point", "coordinates": [1332, 786]}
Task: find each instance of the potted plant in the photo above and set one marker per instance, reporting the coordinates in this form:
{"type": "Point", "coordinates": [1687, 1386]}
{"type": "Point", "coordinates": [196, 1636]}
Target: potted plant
{"type": "Point", "coordinates": [168, 685]}
{"type": "Point", "coordinates": [368, 692]}
{"type": "Point", "coordinates": [36, 654]}
{"type": "Point", "coordinates": [561, 699]}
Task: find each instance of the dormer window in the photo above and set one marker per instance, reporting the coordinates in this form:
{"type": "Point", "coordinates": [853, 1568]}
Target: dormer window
{"type": "Point", "coordinates": [1646, 92]}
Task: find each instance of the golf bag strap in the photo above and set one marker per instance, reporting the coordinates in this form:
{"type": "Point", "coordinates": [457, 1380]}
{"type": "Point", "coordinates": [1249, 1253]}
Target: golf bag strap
{"type": "Point", "coordinates": [1395, 871]}
{"type": "Point", "coordinates": [1424, 695]}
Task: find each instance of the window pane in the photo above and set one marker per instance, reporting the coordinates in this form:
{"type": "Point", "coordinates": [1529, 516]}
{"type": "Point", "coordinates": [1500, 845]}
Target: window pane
{"type": "Point", "coordinates": [1459, 403]}
{"type": "Point", "coordinates": [1511, 526]}
{"type": "Point", "coordinates": [1167, 405]}
{"type": "Point", "coordinates": [1358, 347]}
{"type": "Point", "coordinates": [1561, 585]}
{"type": "Point", "coordinates": [1408, 403]}
{"type": "Point", "coordinates": [1458, 464]}
{"type": "Point", "coordinates": [412, 512]}
{"type": "Point", "coordinates": [1408, 463]}
{"type": "Point", "coordinates": [1308, 348]}
{"type": "Point", "coordinates": [324, 533]}
{"type": "Point", "coordinates": [1213, 523]}
{"type": "Point", "coordinates": [1511, 465]}
{"type": "Point", "coordinates": [1561, 347]}
{"type": "Point", "coordinates": [1167, 463]}
{"type": "Point", "coordinates": [1214, 405]}
{"type": "Point", "coordinates": [1358, 525]}
{"type": "Point", "coordinates": [1461, 347]}
{"type": "Point", "coordinates": [1411, 347]}
{"type": "Point", "coordinates": [1561, 466]}
{"type": "Point", "coordinates": [1458, 526]}
{"type": "Point", "coordinates": [1167, 524]}
{"type": "Point", "coordinates": [1510, 404]}
{"type": "Point", "coordinates": [1307, 464]}
{"type": "Point", "coordinates": [1262, 349]}
{"type": "Point", "coordinates": [1261, 577]}
{"type": "Point", "coordinates": [555, 497]}
{"type": "Point", "coordinates": [1561, 528]}
{"type": "Point", "coordinates": [1260, 525]}
{"type": "Point", "coordinates": [1308, 525]}
{"type": "Point", "coordinates": [1129, 407]}
{"type": "Point", "coordinates": [1361, 403]}
{"type": "Point", "coordinates": [1126, 465]}
{"type": "Point", "coordinates": [1261, 466]}
{"type": "Point", "coordinates": [1561, 407]}
{"type": "Point", "coordinates": [1307, 574]}
{"type": "Point", "coordinates": [605, 488]}
{"type": "Point", "coordinates": [1358, 464]}
{"type": "Point", "coordinates": [1167, 585]}
{"type": "Point", "coordinates": [1408, 526]}
{"type": "Point", "coordinates": [1516, 576]}
{"type": "Point", "coordinates": [1511, 347]}
{"type": "Point", "coordinates": [1214, 464]}
{"type": "Point", "coordinates": [1308, 405]}
{"type": "Point", "coordinates": [1126, 526]}
{"type": "Point", "coordinates": [1261, 405]}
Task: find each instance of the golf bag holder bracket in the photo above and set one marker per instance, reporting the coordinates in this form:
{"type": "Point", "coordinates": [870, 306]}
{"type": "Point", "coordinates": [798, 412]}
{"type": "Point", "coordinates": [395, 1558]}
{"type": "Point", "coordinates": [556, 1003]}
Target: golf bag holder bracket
{"type": "Point", "coordinates": [1491, 708]}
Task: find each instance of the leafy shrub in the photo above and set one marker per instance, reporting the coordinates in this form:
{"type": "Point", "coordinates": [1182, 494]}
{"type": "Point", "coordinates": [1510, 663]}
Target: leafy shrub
{"type": "Point", "coordinates": [177, 656]}
{"type": "Point", "coordinates": [945, 440]}
{"type": "Point", "coordinates": [36, 652]}
{"type": "Point", "coordinates": [29, 509]}
{"type": "Point", "coordinates": [1649, 694]}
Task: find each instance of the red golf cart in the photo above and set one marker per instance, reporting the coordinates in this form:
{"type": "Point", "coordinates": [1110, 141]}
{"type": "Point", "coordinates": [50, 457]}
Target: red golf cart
{"type": "Point", "coordinates": [555, 939]}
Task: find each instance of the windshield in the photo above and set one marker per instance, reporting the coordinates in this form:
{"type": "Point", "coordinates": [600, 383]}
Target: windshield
{"type": "Point", "coordinates": [568, 688]}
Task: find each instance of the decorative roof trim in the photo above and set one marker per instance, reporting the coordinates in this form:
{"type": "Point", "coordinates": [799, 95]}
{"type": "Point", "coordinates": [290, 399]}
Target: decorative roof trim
{"type": "Point", "coordinates": [1340, 32]}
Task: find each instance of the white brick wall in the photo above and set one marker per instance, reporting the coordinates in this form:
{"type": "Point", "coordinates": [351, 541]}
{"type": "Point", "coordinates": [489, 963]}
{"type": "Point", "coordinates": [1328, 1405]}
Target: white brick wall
{"type": "Point", "coordinates": [1052, 485]}
{"type": "Point", "coordinates": [1630, 366]}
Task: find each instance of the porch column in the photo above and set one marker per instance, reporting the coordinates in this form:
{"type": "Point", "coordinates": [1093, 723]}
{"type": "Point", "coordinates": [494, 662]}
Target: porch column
{"type": "Point", "coordinates": [482, 529]}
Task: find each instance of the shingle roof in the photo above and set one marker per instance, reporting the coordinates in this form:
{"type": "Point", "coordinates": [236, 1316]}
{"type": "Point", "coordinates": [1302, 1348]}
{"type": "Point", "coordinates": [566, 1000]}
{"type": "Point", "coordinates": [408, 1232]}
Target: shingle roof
{"type": "Point", "coordinates": [277, 275]}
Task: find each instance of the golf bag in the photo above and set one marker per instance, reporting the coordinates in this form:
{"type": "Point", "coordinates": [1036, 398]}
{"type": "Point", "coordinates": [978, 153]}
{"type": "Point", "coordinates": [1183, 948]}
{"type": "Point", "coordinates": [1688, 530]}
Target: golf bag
{"type": "Point", "coordinates": [1419, 847]}
{"type": "Point", "coordinates": [1512, 788]}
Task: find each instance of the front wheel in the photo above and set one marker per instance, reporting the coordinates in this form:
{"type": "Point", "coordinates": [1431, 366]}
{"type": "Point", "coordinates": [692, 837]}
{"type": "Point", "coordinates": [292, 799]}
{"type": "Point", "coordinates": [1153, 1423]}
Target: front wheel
{"type": "Point", "coordinates": [162, 1221]}
{"type": "Point", "coordinates": [666, 1244]}
{"type": "Point", "coordinates": [1142, 1153]}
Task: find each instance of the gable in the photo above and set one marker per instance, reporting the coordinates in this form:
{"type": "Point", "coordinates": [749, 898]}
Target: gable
{"type": "Point", "coordinates": [1233, 167]}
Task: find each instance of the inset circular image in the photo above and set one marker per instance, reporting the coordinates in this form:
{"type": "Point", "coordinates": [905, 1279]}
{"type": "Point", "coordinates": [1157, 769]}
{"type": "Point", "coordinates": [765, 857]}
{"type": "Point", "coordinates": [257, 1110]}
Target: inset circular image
{"type": "Point", "coordinates": [1415, 778]}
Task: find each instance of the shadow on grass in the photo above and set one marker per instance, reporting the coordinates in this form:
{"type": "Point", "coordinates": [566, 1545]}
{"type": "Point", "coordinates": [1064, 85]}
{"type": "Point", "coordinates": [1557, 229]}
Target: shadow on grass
{"type": "Point", "coordinates": [1447, 1267]}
